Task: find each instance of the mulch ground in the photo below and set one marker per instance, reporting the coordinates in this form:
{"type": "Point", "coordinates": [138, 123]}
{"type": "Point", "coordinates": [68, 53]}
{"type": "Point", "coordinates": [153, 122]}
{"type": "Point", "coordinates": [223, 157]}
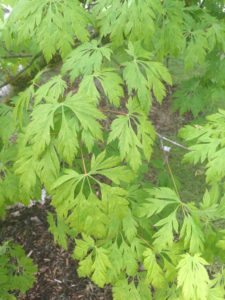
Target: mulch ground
{"type": "Point", "coordinates": [56, 278]}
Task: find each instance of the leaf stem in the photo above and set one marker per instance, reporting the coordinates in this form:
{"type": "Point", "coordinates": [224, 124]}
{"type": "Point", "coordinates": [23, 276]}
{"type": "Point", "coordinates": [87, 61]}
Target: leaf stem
{"type": "Point", "coordinates": [172, 177]}
{"type": "Point", "coordinates": [89, 184]}
{"type": "Point", "coordinates": [83, 162]}
{"type": "Point", "coordinates": [166, 159]}
{"type": "Point", "coordinates": [114, 112]}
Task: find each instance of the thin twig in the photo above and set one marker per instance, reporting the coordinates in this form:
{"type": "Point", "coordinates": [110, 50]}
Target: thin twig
{"type": "Point", "coordinates": [10, 56]}
{"type": "Point", "coordinates": [113, 111]}
{"type": "Point", "coordinates": [172, 177]}
{"type": "Point", "coordinates": [13, 79]}
{"type": "Point", "coordinates": [171, 141]}
{"type": "Point", "coordinates": [166, 160]}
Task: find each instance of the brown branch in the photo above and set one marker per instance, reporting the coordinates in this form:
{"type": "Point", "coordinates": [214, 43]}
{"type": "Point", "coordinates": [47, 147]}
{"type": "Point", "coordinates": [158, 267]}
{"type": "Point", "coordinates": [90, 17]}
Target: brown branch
{"type": "Point", "coordinates": [12, 56]}
{"type": "Point", "coordinates": [13, 79]}
{"type": "Point", "coordinates": [113, 112]}
{"type": "Point", "coordinates": [202, 4]}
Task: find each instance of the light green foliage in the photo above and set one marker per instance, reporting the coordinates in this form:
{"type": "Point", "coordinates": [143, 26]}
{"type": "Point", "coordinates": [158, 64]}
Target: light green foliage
{"type": "Point", "coordinates": [51, 91]}
{"type": "Point", "coordinates": [132, 142]}
{"type": "Point", "coordinates": [192, 234]}
{"type": "Point", "coordinates": [96, 263]}
{"type": "Point", "coordinates": [7, 125]}
{"type": "Point", "coordinates": [154, 272]}
{"type": "Point", "coordinates": [50, 24]}
{"type": "Point", "coordinates": [205, 90]}
{"type": "Point", "coordinates": [59, 230]}
{"type": "Point", "coordinates": [170, 25]}
{"type": "Point", "coordinates": [107, 79]}
{"type": "Point", "coordinates": [189, 226]}
{"type": "Point", "coordinates": [209, 145]}
{"type": "Point", "coordinates": [141, 75]}
{"type": "Point", "coordinates": [85, 59]}
{"type": "Point", "coordinates": [83, 130]}
{"type": "Point", "coordinates": [193, 277]}
{"type": "Point", "coordinates": [16, 270]}
{"type": "Point", "coordinates": [126, 19]}
{"type": "Point", "coordinates": [124, 289]}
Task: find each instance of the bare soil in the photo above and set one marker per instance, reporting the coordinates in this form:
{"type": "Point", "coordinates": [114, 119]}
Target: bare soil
{"type": "Point", "coordinates": [56, 278]}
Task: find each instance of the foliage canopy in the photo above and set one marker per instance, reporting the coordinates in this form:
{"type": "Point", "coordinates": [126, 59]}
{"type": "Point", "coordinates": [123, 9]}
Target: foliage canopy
{"type": "Point", "coordinates": [85, 134]}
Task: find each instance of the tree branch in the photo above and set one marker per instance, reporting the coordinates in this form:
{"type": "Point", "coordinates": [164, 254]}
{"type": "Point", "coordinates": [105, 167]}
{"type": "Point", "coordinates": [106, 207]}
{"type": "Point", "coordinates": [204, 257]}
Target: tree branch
{"type": "Point", "coordinates": [10, 56]}
{"type": "Point", "coordinates": [202, 4]}
{"type": "Point", "coordinates": [13, 79]}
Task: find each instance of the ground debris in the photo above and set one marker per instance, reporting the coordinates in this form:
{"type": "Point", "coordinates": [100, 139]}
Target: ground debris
{"type": "Point", "coordinates": [56, 278]}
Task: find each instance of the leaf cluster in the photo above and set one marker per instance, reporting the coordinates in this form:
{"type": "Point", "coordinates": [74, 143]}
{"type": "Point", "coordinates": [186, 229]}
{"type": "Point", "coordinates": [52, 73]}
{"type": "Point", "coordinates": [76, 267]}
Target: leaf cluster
{"type": "Point", "coordinates": [16, 271]}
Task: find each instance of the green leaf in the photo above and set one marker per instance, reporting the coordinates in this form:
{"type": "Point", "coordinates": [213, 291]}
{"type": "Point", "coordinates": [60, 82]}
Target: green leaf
{"type": "Point", "coordinates": [64, 188]}
{"type": "Point", "coordinates": [115, 207]}
{"type": "Point", "coordinates": [193, 278]}
{"type": "Point", "coordinates": [59, 230]}
{"type": "Point", "coordinates": [143, 75]}
{"type": "Point", "coordinates": [7, 124]}
{"type": "Point", "coordinates": [86, 59]}
{"type": "Point", "coordinates": [169, 26]}
{"type": "Point", "coordinates": [86, 215]}
{"type": "Point", "coordinates": [197, 49]}
{"type": "Point", "coordinates": [67, 140]}
{"type": "Point", "coordinates": [115, 256]}
{"type": "Point", "coordinates": [164, 236]}
{"type": "Point", "coordinates": [17, 271]}
{"type": "Point", "coordinates": [51, 25]}
{"type": "Point", "coordinates": [83, 246]}
{"type": "Point", "coordinates": [134, 134]}
{"type": "Point", "coordinates": [100, 266]}
{"type": "Point", "coordinates": [130, 227]}
{"type": "Point", "coordinates": [130, 262]}
{"type": "Point", "coordinates": [22, 103]}
{"type": "Point", "coordinates": [48, 167]}
{"type": "Point", "coordinates": [85, 266]}
{"type": "Point", "coordinates": [106, 83]}
{"type": "Point", "coordinates": [38, 132]}
{"type": "Point", "coordinates": [26, 167]}
{"type": "Point", "coordinates": [127, 20]}
{"type": "Point", "coordinates": [51, 91]}
{"type": "Point", "coordinates": [109, 167]}
{"type": "Point", "coordinates": [192, 234]}
{"type": "Point", "coordinates": [154, 274]}
{"type": "Point", "coordinates": [87, 115]}
{"type": "Point", "coordinates": [88, 87]}
{"type": "Point", "coordinates": [160, 198]}
{"type": "Point", "coordinates": [216, 291]}
{"type": "Point", "coordinates": [192, 96]}
{"type": "Point", "coordinates": [209, 145]}
{"type": "Point", "coordinates": [123, 289]}
{"type": "Point", "coordinates": [144, 290]}
{"type": "Point", "coordinates": [112, 85]}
